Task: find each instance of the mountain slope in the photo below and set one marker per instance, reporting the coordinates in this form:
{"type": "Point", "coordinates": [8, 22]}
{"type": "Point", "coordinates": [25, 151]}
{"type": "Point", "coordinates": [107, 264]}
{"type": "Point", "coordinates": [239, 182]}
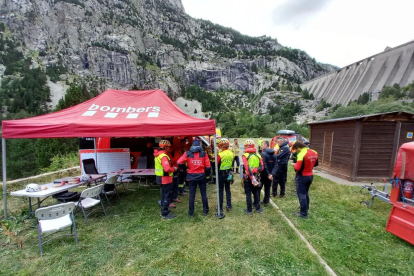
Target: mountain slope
{"type": "Point", "coordinates": [150, 43]}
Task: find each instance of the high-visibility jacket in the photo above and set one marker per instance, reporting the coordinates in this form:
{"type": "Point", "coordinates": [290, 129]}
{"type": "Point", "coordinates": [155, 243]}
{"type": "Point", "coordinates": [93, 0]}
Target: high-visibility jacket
{"type": "Point", "coordinates": [253, 159]}
{"type": "Point", "coordinates": [163, 166]}
{"type": "Point", "coordinates": [252, 163]}
{"type": "Point", "coordinates": [225, 160]}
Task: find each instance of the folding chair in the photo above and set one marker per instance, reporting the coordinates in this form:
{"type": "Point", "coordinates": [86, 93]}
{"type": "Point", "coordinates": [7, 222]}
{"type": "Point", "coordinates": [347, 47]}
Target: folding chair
{"type": "Point", "coordinates": [54, 219]}
{"type": "Point", "coordinates": [90, 168]}
{"type": "Point", "coordinates": [89, 198]}
{"type": "Point", "coordinates": [109, 187]}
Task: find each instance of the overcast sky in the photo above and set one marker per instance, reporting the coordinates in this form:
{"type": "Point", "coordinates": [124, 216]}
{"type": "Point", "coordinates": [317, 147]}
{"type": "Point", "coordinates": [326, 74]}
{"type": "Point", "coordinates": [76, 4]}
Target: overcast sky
{"type": "Point", "coordinates": [339, 32]}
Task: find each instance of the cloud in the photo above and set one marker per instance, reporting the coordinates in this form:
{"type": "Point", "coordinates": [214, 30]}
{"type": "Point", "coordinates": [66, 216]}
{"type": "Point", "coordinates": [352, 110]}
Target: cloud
{"type": "Point", "coordinates": [298, 12]}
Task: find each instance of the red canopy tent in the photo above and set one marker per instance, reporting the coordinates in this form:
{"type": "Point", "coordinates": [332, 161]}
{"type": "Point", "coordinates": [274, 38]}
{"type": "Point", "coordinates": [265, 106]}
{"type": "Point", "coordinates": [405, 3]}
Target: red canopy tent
{"type": "Point", "coordinates": [114, 113]}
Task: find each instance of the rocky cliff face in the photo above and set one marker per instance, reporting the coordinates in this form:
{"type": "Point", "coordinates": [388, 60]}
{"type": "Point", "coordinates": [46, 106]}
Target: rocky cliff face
{"type": "Point", "coordinates": [149, 44]}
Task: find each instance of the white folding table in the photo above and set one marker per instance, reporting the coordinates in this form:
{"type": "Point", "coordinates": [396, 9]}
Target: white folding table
{"type": "Point", "coordinates": [125, 173]}
{"type": "Point", "coordinates": [45, 193]}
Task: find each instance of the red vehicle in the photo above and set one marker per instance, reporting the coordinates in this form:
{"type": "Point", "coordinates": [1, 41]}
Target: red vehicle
{"type": "Point", "coordinates": [289, 135]}
{"type": "Point", "coordinates": [401, 220]}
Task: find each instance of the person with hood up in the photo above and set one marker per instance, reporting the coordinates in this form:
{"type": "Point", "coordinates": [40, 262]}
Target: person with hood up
{"type": "Point", "coordinates": [198, 167]}
{"type": "Point", "coordinates": [270, 167]}
{"type": "Point", "coordinates": [252, 166]}
{"type": "Point", "coordinates": [225, 173]}
{"type": "Point", "coordinates": [282, 159]}
{"type": "Point", "coordinates": [164, 175]}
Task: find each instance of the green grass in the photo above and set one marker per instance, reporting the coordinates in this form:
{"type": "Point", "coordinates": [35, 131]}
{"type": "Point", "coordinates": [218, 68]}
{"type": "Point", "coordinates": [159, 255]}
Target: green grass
{"type": "Point", "coordinates": [133, 240]}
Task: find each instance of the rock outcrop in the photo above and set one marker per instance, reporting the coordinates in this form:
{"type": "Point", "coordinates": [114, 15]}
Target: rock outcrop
{"type": "Point", "coordinates": [148, 44]}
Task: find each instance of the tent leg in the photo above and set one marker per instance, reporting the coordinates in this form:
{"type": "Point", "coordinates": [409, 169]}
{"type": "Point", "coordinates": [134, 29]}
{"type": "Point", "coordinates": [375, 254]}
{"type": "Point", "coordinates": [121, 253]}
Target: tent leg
{"type": "Point", "coordinates": [219, 214]}
{"type": "Point", "coordinates": [96, 153]}
{"type": "Point", "coordinates": [3, 158]}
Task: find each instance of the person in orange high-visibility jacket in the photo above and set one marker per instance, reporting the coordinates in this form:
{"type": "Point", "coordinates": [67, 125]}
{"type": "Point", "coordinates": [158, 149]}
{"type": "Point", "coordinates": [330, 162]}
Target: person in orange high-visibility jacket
{"type": "Point", "coordinates": [306, 160]}
{"type": "Point", "coordinates": [164, 175]}
{"type": "Point", "coordinates": [252, 166]}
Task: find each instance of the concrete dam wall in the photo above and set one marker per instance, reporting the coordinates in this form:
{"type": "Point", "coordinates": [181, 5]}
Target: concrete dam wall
{"type": "Point", "coordinates": [394, 65]}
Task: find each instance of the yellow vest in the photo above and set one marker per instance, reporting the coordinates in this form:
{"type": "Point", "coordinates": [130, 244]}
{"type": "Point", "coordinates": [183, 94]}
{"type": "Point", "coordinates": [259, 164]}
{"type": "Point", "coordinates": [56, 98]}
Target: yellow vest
{"type": "Point", "coordinates": [254, 160]}
{"type": "Point", "coordinates": [159, 170]}
{"type": "Point", "coordinates": [226, 157]}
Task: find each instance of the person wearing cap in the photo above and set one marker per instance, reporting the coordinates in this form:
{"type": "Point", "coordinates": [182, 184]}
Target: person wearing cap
{"type": "Point", "coordinates": [198, 167]}
{"type": "Point", "coordinates": [164, 175]}
{"type": "Point", "coordinates": [225, 164]}
{"type": "Point", "coordinates": [307, 159]}
{"type": "Point", "coordinates": [282, 159]}
{"type": "Point", "coordinates": [252, 166]}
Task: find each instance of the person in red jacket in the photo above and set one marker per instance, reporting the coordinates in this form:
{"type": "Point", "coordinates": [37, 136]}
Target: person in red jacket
{"type": "Point", "coordinates": [306, 160]}
{"type": "Point", "coordinates": [164, 175]}
{"type": "Point", "coordinates": [198, 167]}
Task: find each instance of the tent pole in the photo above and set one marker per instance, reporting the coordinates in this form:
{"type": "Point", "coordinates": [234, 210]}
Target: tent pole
{"type": "Point", "coordinates": [219, 215]}
{"type": "Point", "coordinates": [3, 158]}
{"type": "Point", "coordinates": [96, 152]}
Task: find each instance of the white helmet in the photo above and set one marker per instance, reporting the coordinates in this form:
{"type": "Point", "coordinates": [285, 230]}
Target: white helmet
{"type": "Point", "coordinates": [33, 187]}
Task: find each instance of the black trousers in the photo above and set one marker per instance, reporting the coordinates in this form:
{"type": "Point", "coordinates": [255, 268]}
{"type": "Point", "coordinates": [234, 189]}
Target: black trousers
{"type": "Point", "coordinates": [224, 183]}
{"type": "Point", "coordinates": [280, 178]}
{"type": "Point", "coordinates": [267, 184]}
{"type": "Point", "coordinates": [302, 187]}
{"type": "Point", "coordinates": [249, 189]}
{"type": "Point", "coordinates": [166, 195]}
{"type": "Point", "coordinates": [203, 191]}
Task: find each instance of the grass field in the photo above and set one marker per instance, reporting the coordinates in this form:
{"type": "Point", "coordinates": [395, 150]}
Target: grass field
{"type": "Point", "coordinates": [132, 240]}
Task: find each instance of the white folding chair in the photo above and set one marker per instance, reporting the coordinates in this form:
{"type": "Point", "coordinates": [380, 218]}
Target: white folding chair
{"type": "Point", "coordinates": [54, 219]}
{"type": "Point", "coordinates": [89, 198]}
{"type": "Point", "coordinates": [110, 187]}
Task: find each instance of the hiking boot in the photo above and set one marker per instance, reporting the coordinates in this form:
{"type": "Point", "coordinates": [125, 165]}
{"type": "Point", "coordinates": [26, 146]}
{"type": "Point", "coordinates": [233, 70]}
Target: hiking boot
{"type": "Point", "coordinates": [259, 211]}
{"type": "Point", "coordinates": [177, 200]}
{"type": "Point", "coordinates": [191, 215]}
{"type": "Point", "coordinates": [172, 205]}
{"type": "Point", "coordinates": [167, 217]}
{"type": "Point", "coordinates": [228, 208]}
{"type": "Point", "coordinates": [281, 196]}
{"type": "Point", "coordinates": [205, 213]}
{"type": "Point", "coordinates": [247, 212]}
{"type": "Point", "coordinates": [300, 215]}
{"type": "Point", "coordinates": [274, 195]}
